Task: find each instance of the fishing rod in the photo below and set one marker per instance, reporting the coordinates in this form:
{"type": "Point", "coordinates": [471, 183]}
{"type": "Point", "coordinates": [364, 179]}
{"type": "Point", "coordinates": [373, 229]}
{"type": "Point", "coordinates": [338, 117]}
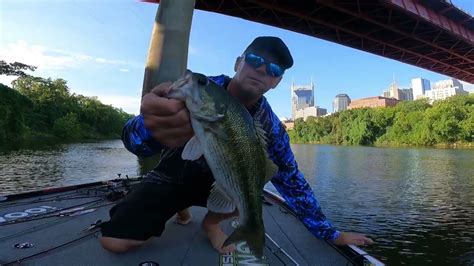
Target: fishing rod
{"type": "Point", "coordinates": [49, 199]}
{"type": "Point", "coordinates": [56, 212]}
{"type": "Point", "coordinates": [73, 188]}
{"type": "Point", "coordinates": [112, 196]}
{"type": "Point", "coordinates": [114, 193]}
{"type": "Point", "coordinates": [82, 188]}
{"type": "Point", "coordinates": [67, 217]}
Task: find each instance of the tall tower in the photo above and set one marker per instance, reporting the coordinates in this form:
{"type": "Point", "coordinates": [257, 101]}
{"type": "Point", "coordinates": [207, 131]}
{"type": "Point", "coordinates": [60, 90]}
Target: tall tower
{"type": "Point", "coordinates": [294, 100]}
{"type": "Point", "coordinates": [394, 91]}
{"type": "Point", "coordinates": [341, 102]}
{"type": "Point", "coordinates": [420, 87]}
{"type": "Point", "coordinates": [302, 96]}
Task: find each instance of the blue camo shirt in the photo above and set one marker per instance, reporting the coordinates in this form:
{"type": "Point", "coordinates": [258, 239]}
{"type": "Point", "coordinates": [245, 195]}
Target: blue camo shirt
{"type": "Point", "coordinates": [289, 181]}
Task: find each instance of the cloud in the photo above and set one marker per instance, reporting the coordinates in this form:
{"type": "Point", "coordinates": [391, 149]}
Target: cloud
{"type": "Point", "coordinates": [101, 60]}
{"type": "Point", "coordinates": [46, 58]}
{"type": "Point", "coordinates": [108, 61]}
{"type": "Point", "coordinates": [85, 57]}
{"type": "Point", "coordinates": [123, 70]}
{"type": "Point", "coordinates": [36, 55]}
{"type": "Point", "coordinates": [130, 104]}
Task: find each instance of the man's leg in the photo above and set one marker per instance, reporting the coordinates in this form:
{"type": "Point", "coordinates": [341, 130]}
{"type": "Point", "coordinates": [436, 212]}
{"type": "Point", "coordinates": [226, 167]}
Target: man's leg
{"type": "Point", "coordinates": [118, 245]}
{"type": "Point", "coordinates": [216, 236]}
{"type": "Point", "coordinates": [142, 214]}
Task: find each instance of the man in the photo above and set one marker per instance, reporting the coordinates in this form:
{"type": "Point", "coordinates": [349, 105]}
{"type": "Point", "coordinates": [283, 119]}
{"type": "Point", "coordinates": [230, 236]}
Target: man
{"type": "Point", "coordinates": [174, 185]}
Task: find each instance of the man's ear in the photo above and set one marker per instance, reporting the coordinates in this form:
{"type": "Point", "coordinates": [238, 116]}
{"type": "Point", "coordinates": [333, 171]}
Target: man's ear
{"type": "Point", "coordinates": [237, 62]}
{"type": "Point", "coordinates": [276, 82]}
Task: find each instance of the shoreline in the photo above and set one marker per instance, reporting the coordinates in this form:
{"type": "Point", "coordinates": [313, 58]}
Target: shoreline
{"type": "Point", "coordinates": [45, 140]}
{"type": "Point", "coordinates": [466, 146]}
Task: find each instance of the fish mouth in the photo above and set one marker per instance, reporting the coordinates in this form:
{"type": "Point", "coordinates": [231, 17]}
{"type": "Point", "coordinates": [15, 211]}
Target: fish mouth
{"type": "Point", "coordinates": [179, 90]}
{"type": "Point", "coordinates": [176, 93]}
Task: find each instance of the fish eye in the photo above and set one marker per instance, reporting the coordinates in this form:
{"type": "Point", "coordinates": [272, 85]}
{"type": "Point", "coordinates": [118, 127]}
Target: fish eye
{"type": "Point", "coordinates": [203, 80]}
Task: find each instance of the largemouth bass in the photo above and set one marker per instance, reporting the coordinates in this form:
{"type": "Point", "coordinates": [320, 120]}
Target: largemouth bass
{"type": "Point", "coordinates": [233, 145]}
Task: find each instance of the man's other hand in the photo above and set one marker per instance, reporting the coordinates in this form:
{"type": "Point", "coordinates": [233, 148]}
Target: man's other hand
{"type": "Point", "coordinates": [167, 119]}
{"type": "Point", "coordinates": [346, 238]}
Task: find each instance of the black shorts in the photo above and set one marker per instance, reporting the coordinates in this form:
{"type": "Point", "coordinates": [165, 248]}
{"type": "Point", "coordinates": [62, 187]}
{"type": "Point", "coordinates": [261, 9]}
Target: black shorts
{"type": "Point", "coordinates": [144, 211]}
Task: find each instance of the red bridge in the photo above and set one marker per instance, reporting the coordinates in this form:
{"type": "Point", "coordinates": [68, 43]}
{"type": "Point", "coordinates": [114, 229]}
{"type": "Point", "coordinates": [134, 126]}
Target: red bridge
{"type": "Point", "coordinates": [432, 34]}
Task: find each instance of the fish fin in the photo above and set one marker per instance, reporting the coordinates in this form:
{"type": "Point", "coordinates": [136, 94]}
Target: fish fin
{"type": "Point", "coordinates": [270, 170]}
{"type": "Point", "coordinates": [219, 202]}
{"type": "Point", "coordinates": [208, 118]}
{"type": "Point", "coordinates": [261, 134]}
{"type": "Point", "coordinates": [254, 237]}
{"type": "Point", "coordinates": [193, 150]}
{"type": "Point", "coordinates": [214, 128]}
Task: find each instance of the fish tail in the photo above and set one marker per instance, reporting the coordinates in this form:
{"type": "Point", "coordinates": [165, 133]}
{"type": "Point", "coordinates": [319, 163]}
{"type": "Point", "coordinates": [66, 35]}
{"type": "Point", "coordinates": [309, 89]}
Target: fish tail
{"type": "Point", "coordinates": [255, 238]}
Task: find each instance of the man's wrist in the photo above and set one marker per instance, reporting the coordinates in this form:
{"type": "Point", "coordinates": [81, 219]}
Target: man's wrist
{"type": "Point", "coordinates": [336, 236]}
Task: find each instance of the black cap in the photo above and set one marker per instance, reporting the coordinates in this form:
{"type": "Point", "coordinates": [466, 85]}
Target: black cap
{"type": "Point", "coordinates": [273, 45]}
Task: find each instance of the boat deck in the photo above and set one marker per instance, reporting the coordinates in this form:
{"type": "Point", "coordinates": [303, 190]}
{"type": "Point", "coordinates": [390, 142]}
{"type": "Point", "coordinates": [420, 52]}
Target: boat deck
{"type": "Point", "coordinates": [57, 226]}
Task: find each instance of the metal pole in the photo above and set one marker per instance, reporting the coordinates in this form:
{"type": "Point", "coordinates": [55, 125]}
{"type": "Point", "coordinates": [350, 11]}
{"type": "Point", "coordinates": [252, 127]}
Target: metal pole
{"type": "Point", "coordinates": [168, 53]}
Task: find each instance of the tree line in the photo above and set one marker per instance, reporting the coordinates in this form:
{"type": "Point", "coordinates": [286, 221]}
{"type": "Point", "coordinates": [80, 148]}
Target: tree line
{"type": "Point", "coordinates": [417, 123]}
{"type": "Point", "coordinates": [39, 107]}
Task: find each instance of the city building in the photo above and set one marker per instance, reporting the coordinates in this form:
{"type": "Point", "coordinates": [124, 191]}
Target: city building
{"type": "Point", "coordinates": [288, 124]}
{"type": "Point", "coordinates": [372, 102]}
{"type": "Point", "coordinates": [420, 87]}
{"type": "Point", "coordinates": [405, 94]}
{"type": "Point", "coordinates": [302, 96]}
{"type": "Point", "coordinates": [341, 102]}
{"type": "Point", "coordinates": [310, 111]}
{"type": "Point", "coordinates": [444, 89]}
{"type": "Point", "coordinates": [321, 111]}
{"type": "Point", "coordinates": [399, 94]}
{"type": "Point", "coordinates": [303, 103]}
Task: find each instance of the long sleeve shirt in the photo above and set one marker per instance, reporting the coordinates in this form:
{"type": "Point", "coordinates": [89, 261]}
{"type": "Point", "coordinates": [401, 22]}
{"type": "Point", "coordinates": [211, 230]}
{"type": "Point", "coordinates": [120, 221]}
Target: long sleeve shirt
{"type": "Point", "coordinates": [288, 181]}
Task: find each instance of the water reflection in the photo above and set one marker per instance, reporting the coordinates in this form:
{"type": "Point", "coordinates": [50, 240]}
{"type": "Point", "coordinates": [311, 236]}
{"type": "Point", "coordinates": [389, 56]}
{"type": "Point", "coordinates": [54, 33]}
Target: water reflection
{"type": "Point", "coordinates": [418, 204]}
{"type": "Point", "coordinates": [59, 165]}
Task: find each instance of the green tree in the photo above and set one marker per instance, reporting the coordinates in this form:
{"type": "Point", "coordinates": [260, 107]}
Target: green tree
{"type": "Point", "coordinates": [55, 111]}
{"type": "Point", "coordinates": [67, 127]}
{"type": "Point", "coordinates": [15, 69]}
{"type": "Point", "coordinates": [51, 99]}
{"type": "Point", "coordinates": [13, 109]}
{"type": "Point", "coordinates": [411, 123]}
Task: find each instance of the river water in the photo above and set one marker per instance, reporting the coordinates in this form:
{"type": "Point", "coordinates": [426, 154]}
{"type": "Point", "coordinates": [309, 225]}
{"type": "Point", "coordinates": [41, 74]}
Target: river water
{"type": "Point", "coordinates": [417, 204]}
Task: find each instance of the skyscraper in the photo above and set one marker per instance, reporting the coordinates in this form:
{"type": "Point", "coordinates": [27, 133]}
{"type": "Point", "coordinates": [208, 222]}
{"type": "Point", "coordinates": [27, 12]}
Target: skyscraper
{"type": "Point", "coordinates": [420, 86]}
{"type": "Point", "coordinates": [399, 94]}
{"type": "Point", "coordinates": [341, 102]}
{"type": "Point", "coordinates": [302, 96]}
{"type": "Point", "coordinates": [444, 89]}
{"type": "Point", "coordinates": [405, 94]}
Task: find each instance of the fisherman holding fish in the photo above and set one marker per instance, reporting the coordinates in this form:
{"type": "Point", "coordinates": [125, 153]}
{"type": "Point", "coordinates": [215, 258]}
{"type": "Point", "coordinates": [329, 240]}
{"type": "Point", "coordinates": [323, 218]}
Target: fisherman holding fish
{"type": "Point", "coordinates": [220, 142]}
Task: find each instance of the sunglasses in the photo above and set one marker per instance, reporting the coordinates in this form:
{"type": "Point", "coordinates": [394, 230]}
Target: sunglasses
{"type": "Point", "coordinates": [256, 61]}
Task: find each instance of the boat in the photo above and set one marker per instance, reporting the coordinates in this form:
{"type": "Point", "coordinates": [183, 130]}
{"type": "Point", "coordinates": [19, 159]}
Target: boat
{"type": "Point", "coordinates": [60, 226]}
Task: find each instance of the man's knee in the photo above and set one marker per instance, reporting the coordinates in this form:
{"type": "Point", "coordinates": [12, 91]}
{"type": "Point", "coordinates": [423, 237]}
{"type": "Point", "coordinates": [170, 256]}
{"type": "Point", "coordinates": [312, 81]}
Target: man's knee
{"type": "Point", "coordinates": [118, 245]}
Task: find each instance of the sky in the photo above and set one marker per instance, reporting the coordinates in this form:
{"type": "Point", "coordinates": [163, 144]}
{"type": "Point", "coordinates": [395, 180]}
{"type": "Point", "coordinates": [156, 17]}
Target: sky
{"type": "Point", "coordinates": [100, 46]}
